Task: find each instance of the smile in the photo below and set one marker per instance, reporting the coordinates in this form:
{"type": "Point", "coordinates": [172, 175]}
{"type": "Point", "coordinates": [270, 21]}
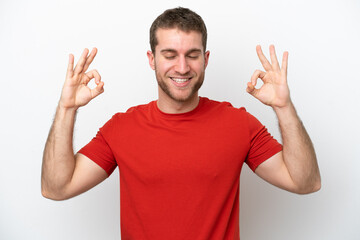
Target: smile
{"type": "Point", "coordinates": [180, 80]}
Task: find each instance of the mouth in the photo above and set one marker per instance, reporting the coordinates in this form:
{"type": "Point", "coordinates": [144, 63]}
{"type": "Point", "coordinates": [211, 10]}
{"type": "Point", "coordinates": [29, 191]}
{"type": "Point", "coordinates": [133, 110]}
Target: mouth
{"type": "Point", "coordinates": [180, 80]}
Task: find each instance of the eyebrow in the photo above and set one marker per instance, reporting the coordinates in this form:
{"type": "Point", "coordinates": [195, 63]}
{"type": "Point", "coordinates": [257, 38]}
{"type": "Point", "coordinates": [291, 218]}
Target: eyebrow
{"type": "Point", "coordinates": [168, 50]}
{"type": "Point", "coordinates": [193, 50]}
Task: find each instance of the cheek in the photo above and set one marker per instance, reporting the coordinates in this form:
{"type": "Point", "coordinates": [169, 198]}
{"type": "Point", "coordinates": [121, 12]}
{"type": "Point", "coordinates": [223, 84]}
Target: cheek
{"type": "Point", "coordinates": [163, 67]}
{"type": "Point", "coordinates": [198, 67]}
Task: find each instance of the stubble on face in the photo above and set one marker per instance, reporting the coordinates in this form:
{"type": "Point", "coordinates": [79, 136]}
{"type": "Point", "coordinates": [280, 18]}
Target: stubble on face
{"type": "Point", "coordinates": [181, 99]}
{"type": "Point", "coordinates": [179, 66]}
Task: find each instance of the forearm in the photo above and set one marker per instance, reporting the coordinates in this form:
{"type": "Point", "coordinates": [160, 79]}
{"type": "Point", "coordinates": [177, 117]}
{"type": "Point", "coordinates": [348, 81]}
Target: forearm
{"type": "Point", "coordinates": [58, 159]}
{"type": "Point", "coordinates": [298, 151]}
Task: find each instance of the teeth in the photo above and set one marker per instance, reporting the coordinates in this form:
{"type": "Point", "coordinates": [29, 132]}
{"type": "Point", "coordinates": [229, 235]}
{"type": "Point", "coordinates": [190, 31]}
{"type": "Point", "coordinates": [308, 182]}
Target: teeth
{"type": "Point", "coordinates": [180, 80]}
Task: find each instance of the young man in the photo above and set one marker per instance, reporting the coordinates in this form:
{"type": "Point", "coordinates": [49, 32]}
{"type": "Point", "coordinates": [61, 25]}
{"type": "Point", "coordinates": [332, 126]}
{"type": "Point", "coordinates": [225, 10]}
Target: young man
{"type": "Point", "coordinates": [179, 157]}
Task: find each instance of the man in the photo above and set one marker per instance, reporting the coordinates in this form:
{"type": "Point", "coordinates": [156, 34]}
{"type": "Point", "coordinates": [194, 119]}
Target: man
{"type": "Point", "coordinates": [179, 157]}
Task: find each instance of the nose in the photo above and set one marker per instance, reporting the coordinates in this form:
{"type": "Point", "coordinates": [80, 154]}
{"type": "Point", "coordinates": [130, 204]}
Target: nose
{"type": "Point", "coordinates": [182, 66]}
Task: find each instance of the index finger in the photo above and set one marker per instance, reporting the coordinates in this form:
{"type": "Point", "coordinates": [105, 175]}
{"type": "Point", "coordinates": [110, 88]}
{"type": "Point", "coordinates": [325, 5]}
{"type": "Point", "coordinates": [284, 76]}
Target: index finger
{"type": "Point", "coordinates": [263, 59]}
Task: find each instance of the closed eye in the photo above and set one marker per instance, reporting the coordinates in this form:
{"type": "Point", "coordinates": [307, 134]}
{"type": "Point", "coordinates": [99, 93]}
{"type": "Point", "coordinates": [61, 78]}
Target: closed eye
{"type": "Point", "coordinates": [193, 56]}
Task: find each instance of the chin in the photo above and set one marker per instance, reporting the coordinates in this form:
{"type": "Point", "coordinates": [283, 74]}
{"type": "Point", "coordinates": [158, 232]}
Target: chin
{"type": "Point", "coordinates": [183, 99]}
{"type": "Point", "coordinates": [180, 95]}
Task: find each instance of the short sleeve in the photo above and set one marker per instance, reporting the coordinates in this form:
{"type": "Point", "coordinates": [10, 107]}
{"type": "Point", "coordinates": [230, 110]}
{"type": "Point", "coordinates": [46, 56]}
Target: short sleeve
{"type": "Point", "coordinates": [262, 144]}
{"type": "Point", "coordinates": [99, 151]}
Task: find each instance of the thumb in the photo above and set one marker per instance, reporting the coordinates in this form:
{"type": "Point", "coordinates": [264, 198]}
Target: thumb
{"type": "Point", "coordinates": [251, 89]}
{"type": "Point", "coordinates": [97, 90]}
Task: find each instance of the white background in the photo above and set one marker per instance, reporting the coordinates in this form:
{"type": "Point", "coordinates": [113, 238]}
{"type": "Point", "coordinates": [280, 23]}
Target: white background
{"type": "Point", "coordinates": [322, 37]}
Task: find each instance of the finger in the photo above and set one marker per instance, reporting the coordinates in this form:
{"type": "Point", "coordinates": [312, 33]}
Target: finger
{"type": "Point", "coordinates": [90, 59]}
{"type": "Point", "coordinates": [97, 90]}
{"type": "Point", "coordinates": [93, 74]}
{"type": "Point", "coordinates": [251, 89]}
{"type": "Point", "coordinates": [284, 63]}
{"type": "Point", "coordinates": [70, 72]}
{"type": "Point", "coordinates": [80, 65]}
{"type": "Point", "coordinates": [256, 75]}
{"type": "Point", "coordinates": [265, 63]}
{"type": "Point", "coordinates": [274, 61]}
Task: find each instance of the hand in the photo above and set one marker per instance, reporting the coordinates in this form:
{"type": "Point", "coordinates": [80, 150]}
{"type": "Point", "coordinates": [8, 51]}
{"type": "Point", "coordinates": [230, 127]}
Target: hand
{"type": "Point", "coordinates": [275, 91]}
{"type": "Point", "coordinates": [75, 92]}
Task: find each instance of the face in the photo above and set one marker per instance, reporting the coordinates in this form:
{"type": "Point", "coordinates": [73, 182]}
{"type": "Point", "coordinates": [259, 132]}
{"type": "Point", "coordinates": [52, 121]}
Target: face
{"type": "Point", "coordinates": [179, 63]}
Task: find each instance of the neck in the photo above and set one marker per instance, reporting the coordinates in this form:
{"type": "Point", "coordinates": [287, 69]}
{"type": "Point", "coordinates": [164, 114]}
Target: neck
{"type": "Point", "coordinates": [171, 106]}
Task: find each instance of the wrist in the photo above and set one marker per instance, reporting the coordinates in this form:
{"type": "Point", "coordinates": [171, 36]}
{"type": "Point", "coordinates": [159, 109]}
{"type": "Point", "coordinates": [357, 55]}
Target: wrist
{"type": "Point", "coordinates": [65, 109]}
{"type": "Point", "coordinates": [289, 106]}
{"type": "Point", "coordinates": [286, 114]}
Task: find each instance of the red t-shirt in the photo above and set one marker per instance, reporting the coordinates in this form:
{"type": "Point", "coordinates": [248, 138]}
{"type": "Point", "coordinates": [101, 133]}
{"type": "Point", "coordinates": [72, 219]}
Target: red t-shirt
{"type": "Point", "coordinates": [179, 173]}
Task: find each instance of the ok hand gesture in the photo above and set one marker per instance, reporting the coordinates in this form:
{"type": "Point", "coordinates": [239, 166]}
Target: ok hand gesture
{"type": "Point", "coordinates": [275, 91]}
{"type": "Point", "coordinates": [75, 92]}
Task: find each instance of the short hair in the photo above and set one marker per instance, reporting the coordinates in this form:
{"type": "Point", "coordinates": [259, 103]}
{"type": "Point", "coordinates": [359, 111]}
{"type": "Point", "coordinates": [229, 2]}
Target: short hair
{"type": "Point", "coordinates": [181, 18]}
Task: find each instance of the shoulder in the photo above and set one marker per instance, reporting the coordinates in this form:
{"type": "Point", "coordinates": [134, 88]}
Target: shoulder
{"type": "Point", "coordinates": [224, 107]}
{"type": "Point", "coordinates": [237, 116]}
{"type": "Point", "coordinates": [132, 111]}
{"type": "Point", "coordinates": [121, 118]}
{"type": "Point", "coordinates": [139, 108]}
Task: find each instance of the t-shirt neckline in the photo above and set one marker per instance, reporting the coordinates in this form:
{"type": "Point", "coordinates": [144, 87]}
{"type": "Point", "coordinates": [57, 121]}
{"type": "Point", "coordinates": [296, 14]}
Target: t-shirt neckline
{"type": "Point", "coordinates": [179, 115]}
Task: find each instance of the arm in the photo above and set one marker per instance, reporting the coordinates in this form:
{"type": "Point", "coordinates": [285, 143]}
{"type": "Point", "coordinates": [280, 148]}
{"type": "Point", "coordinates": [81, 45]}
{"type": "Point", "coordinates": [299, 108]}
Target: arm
{"type": "Point", "coordinates": [63, 174]}
{"type": "Point", "coordinates": [295, 168]}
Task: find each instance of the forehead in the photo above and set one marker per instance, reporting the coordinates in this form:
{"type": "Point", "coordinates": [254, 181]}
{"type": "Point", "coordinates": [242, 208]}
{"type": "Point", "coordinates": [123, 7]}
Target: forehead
{"type": "Point", "coordinates": [178, 40]}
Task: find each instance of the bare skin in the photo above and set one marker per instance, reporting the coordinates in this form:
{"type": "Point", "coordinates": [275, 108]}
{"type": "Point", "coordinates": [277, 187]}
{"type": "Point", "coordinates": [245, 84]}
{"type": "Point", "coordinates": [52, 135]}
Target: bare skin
{"type": "Point", "coordinates": [63, 174]}
{"type": "Point", "coordinates": [178, 55]}
{"type": "Point", "coordinates": [295, 168]}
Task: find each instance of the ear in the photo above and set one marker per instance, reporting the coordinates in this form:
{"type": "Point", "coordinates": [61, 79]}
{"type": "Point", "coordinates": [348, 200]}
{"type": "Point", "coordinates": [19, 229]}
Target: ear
{"type": "Point", "coordinates": [151, 58]}
{"type": "Point", "coordinates": [206, 56]}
